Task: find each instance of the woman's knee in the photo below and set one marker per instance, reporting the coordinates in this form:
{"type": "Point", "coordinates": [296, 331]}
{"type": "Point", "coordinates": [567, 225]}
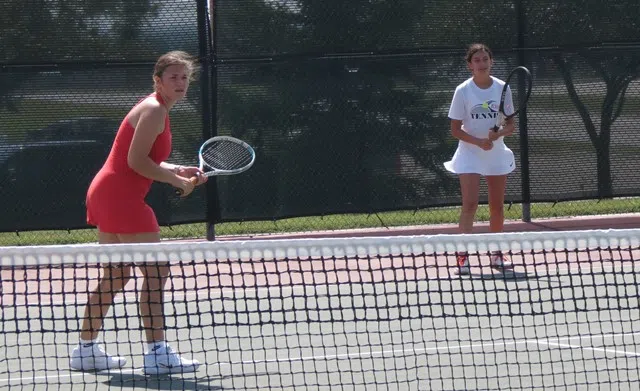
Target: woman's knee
{"type": "Point", "coordinates": [469, 207]}
{"type": "Point", "coordinates": [155, 274]}
{"type": "Point", "coordinates": [116, 277]}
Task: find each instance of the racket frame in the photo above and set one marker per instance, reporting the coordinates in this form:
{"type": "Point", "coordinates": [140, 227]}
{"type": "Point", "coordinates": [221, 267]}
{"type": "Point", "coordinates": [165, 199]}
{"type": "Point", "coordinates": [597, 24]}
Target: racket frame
{"type": "Point", "coordinates": [216, 171]}
{"type": "Point", "coordinates": [219, 172]}
{"type": "Point", "coordinates": [502, 117]}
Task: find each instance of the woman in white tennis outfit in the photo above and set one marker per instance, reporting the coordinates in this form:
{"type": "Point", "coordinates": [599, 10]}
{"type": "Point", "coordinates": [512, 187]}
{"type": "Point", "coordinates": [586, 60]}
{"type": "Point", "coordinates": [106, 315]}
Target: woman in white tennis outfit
{"type": "Point", "coordinates": [481, 151]}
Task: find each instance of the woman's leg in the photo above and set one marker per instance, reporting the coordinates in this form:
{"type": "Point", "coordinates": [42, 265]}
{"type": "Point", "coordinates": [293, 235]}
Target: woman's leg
{"type": "Point", "coordinates": [113, 280]}
{"type": "Point", "coordinates": [469, 188]}
{"type": "Point", "coordinates": [152, 292]}
{"type": "Point", "coordinates": [89, 355]}
{"type": "Point", "coordinates": [160, 357]}
{"type": "Point", "coordinates": [496, 185]}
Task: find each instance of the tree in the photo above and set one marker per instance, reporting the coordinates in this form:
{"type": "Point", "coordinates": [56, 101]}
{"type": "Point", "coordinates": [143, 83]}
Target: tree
{"type": "Point", "coordinates": [593, 23]}
{"type": "Point", "coordinates": [574, 35]}
{"type": "Point", "coordinates": [617, 70]}
{"type": "Point", "coordinates": [327, 83]}
{"type": "Point", "coordinates": [337, 130]}
{"type": "Point", "coordinates": [39, 32]}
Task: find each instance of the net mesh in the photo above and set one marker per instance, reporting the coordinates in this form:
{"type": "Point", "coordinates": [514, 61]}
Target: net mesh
{"type": "Point", "coordinates": [352, 313]}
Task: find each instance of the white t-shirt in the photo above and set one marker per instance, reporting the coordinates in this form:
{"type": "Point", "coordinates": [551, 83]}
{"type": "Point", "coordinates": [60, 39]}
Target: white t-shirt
{"type": "Point", "coordinates": [477, 108]}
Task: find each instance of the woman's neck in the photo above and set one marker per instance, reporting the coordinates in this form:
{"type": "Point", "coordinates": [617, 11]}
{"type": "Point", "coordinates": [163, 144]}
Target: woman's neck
{"type": "Point", "coordinates": [166, 101]}
{"type": "Point", "coordinates": [482, 81]}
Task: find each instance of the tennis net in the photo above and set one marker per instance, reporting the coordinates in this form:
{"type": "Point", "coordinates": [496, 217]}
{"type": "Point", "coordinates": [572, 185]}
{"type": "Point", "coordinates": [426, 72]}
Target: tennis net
{"type": "Point", "coordinates": [386, 313]}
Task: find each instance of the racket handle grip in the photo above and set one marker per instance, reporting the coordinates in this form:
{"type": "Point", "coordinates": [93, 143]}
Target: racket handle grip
{"type": "Point", "coordinates": [193, 180]}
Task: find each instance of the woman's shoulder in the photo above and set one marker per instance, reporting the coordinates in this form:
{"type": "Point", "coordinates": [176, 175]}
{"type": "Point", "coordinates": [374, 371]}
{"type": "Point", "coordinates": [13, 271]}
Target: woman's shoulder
{"type": "Point", "coordinates": [151, 105]}
{"type": "Point", "coordinates": [497, 81]}
{"type": "Point", "coordinates": [465, 84]}
{"type": "Point", "coordinates": [148, 107]}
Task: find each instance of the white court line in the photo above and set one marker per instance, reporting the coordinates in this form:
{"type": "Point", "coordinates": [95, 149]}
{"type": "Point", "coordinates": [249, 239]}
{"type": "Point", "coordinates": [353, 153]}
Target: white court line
{"type": "Point", "coordinates": [617, 352]}
{"type": "Point", "coordinates": [547, 341]}
{"type": "Point", "coordinates": [382, 353]}
{"type": "Point", "coordinates": [62, 376]}
{"type": "Point", "coordinates": [194, 293]}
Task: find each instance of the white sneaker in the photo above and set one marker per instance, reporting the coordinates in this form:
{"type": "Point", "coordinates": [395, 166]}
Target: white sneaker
{"type": "Point", "coordinates": [92, 357]}
{"type": "Point", "coordinates": [164, 360]}
{"type": "Point", "coordinates": [500, 261]}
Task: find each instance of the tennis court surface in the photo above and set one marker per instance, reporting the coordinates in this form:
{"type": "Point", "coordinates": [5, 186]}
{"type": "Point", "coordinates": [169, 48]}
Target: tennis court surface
{"type": "Point", "coordinates": [368, 313]}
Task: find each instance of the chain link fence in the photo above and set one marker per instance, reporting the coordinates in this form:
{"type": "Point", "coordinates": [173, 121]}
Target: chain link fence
{"type": "Point", "coordinates": [346, 105]}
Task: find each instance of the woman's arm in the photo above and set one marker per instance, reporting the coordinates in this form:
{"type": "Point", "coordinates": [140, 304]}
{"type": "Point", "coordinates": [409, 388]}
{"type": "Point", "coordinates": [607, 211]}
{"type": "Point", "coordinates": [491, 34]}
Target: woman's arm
{"type": "Point", "coordinates": [457, 130]}
{"type": "Point", "coordinates": [171, 167]}
{"type": "Point", "coordinates": [506, 130]}
{"type": "Point", "coordinates": [150, 125]}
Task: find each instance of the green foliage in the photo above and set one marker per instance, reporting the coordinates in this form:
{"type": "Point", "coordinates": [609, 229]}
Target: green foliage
{"type": "Point", "coordinates": [38, 31]}
{"type": "Point", "coordinates": [48, 32]}
{"type": "Point", "coordinates": [332, 132]}
{"type": "Point", "coordinates": [579, 22]}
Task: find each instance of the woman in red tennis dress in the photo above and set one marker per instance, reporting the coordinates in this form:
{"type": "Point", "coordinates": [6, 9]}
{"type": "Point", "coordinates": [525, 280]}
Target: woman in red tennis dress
{"type": "Point", "coordinates": [116, 206]}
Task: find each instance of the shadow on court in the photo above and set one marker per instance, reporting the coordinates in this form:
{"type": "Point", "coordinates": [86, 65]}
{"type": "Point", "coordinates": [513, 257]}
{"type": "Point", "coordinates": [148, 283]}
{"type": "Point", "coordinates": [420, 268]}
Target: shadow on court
{"type": "Point", "coordinates": [506, 275]}
{"type": "Point", "coordinates": [132, 380]}
{"type": "Point", "coordinates": [168, 382]}
{"type": "Point", "coordinates": [510, 275]}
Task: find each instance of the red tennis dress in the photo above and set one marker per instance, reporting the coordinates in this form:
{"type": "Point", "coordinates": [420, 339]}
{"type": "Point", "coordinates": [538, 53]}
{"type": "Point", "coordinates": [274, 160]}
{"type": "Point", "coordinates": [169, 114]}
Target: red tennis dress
{"type": "Point", "coordinates": [116, 196]}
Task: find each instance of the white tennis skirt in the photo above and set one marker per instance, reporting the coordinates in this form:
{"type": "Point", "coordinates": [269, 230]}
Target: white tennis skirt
{"type": "Point", "coordinates": [470, 159]}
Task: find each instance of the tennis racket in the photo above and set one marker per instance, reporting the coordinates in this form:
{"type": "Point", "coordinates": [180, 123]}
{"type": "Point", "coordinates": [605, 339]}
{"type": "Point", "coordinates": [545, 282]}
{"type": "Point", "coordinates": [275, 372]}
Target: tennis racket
{"type": "Point", "coordinates": [519, 83]}
{"type": "Point", "coordinates": [224, 155]}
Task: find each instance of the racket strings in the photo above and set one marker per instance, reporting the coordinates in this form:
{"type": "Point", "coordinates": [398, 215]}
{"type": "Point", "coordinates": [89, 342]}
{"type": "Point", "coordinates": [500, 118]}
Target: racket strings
{"type": "Point", "coordinates": [226, 156]}
{"type": "Point", "coordinates": [519, 99]}
{"type": "Point", "coordinates": [520, 85]}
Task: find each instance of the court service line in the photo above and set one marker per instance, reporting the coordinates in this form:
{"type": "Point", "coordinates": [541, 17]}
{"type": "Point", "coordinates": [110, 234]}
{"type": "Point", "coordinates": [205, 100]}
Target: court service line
{"type": "Point", "coordinates": [617, 352]}
{"type": "Point", "coordinates": [382, 353]}
{"type": "Point", "coordinates": [547, 341]}
{"type": "Point", "coordinates": [62, 375]}
{"type": "Point", "coordinates": [448, 348]}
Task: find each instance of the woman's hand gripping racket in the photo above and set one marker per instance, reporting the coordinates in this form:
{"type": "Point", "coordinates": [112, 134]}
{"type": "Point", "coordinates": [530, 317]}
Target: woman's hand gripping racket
{"type": "Point", "coordinates": [520, 81]}
{"type": "Point", "coordinates": [223, 155]}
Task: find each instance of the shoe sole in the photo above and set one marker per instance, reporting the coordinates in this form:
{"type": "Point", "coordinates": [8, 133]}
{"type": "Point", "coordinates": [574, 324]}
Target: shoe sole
{"type": "Point", "coordinates": [95, 369]}
{"type": "Point", "coordinates": [170, 371]}
{"type": "Point", "coordinates": [502, 266]}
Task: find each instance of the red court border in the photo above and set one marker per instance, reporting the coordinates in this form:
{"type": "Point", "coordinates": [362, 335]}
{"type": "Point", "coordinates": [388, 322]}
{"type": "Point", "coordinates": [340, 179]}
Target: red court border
{"type": "Point", "coordinates": [30, 286]}
{"type": "Point", "coordinates": [574, 223]}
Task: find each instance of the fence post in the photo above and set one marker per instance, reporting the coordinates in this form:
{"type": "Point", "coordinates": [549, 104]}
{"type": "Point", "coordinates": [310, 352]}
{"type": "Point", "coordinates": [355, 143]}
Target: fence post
{"type": "Point", "coordinates": [205, 47]}
{"type": "Point", "coordinates": [524, 133]}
